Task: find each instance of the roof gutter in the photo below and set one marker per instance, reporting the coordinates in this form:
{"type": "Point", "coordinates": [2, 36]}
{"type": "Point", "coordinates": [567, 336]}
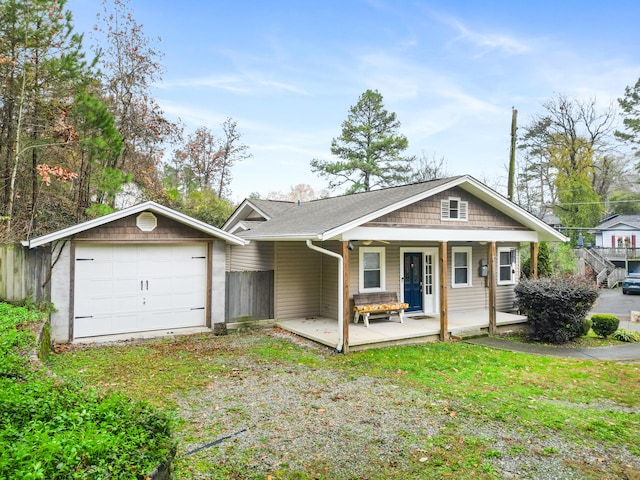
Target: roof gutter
{"type": "Point", "coordinates": [340, 289]}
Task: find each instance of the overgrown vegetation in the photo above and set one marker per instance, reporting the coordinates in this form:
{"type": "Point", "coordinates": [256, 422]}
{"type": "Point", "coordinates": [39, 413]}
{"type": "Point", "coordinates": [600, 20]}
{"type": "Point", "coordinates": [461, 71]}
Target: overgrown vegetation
{"type": "Point", "coordinates": [556, 306]}
{"type": "Point", "coordinates": [52, 429]}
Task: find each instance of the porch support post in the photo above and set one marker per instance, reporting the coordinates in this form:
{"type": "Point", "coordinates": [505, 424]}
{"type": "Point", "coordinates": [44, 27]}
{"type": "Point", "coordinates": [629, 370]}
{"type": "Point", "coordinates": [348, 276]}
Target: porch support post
{"type": "Point", "coordinates": [533, 247]}
{"type": "Point", "coordinates": [444, 303]}
{"type": "Point", "coordinates": [492, 288]}
{"type": "Point", "coordinates": [346, 312]}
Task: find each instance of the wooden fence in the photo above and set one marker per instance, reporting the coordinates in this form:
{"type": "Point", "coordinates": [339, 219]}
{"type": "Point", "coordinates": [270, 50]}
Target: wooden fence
{"type": "Point", "coordinates": [24, 273]}
{"type": "Point", "coordinates": [249, 296]}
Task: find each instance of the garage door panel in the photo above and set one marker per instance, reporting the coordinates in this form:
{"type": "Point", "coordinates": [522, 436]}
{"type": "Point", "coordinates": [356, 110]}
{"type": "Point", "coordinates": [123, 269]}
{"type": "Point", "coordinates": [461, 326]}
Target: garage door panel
{"type": "Point", "coordinates": [104, 325]}
{"type": "Point", "coordinates": [168, 319]}
{"type": "Point", "coordinates": [94, 269]}
{"type": "Point", "coordinates": [128, 269]}
{"type": "Point", "coordinates": [125, 287]}
{"type": "Point", "coordinates": [109, 289]}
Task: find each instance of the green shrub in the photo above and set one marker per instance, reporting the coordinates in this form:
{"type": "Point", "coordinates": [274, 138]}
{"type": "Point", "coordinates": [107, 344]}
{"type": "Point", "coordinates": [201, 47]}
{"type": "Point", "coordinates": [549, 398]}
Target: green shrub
{"type": "Point", "coordinates": [626, 336]}
{"type": "Point", "coordinates": [586, 326]}
{"type": "Point", "coordinates": [604, 324]}
{"type": "Point", "coordinates": [556, 306]}
{"type": "Point", "coordinates": [59, 430]}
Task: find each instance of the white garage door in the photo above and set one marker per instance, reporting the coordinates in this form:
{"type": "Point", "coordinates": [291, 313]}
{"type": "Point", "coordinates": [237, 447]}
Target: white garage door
{"type": "Point", "coordinates": [137, 288]}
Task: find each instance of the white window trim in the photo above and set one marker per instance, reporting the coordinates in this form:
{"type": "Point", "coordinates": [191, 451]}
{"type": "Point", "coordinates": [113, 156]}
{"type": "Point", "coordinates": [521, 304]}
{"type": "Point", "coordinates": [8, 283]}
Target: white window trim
{"type": "Point", "coordinates": [445, 210]}
{"type": "Point", "coordinates": [469, 252]}
{"type": "Point", "coordinates": [512, 280]}
{"type": "Point", "coordinates": [381, 251]}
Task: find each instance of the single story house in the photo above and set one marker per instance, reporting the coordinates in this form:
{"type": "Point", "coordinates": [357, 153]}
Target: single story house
{"type": "Point", "coordinates": [145, 268]}
{"type": "Point", "coordinates": [448, 248]}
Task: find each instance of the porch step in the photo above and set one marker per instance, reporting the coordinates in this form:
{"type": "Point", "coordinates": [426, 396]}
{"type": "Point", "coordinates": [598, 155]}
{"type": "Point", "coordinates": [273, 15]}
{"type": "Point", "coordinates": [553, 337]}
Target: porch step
{"type": "Point", "coordinates": [470, 333]}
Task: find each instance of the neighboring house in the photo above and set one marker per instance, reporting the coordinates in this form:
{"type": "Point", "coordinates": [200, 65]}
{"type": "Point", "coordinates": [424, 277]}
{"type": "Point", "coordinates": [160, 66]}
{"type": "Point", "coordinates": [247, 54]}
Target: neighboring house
{"type": "Point", "coordinates": [617, 240]}
{"type": "Point", "coordinates": [448, 248]}
{"type": "Point", "coordinates": [619, 231]}
{"type": "Point", "coordinates": [146, 268]}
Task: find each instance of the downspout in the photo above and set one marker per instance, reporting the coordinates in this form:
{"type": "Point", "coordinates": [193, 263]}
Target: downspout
{"type": "Point", "coordinates": [340, 289]}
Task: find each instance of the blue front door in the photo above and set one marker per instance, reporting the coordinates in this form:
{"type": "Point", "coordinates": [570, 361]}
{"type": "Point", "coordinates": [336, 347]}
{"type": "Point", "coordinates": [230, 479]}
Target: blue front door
{"type": "Point", "coordinates": [413, 281]}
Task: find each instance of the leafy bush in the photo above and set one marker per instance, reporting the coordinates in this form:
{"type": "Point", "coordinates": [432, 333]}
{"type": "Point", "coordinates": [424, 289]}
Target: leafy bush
{"type": "Point", "coordinates": [626, 336]}
{"type": "Point", "coordinates": [586, 326]}
{"type": "Point", "coordinates": [58, 430]}
{"type": "Point", "coordinates": [604, 324]}
{"type": "Point", "coordinates": [556, 306]}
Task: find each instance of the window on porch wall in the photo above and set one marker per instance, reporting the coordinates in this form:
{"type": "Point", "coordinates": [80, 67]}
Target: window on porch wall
{"type": "Point", "coordinates": [372, 269]}
{"type": "Point", "coordinates": [461, 266]}
{"type": "Point", "coordinates": [506, 266]}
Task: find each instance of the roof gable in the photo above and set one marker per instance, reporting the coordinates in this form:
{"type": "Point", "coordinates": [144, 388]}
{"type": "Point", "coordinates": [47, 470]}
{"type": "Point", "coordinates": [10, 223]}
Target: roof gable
{"type": "Point", "coordinates": [142, 207]}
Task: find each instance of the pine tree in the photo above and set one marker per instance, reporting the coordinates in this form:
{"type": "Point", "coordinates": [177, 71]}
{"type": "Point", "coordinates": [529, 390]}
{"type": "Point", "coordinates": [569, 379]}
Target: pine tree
{"type": "Point", "coordinates": [370, 149]}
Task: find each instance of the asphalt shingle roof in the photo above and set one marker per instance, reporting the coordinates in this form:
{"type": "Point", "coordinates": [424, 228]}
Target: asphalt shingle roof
{"type": "Point", "coordinates": [319, 216]}
{"type": "Point", "coordinates": [631, 220]}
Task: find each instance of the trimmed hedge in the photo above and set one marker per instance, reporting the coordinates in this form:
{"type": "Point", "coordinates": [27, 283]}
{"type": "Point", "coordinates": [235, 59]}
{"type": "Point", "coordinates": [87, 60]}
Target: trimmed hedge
{"type": "Point", "coordinates": [52, 429]}
{"type": "Point", "coordinates": [556, 306]}
{"type": "Point", "coordinates": [604, 324]}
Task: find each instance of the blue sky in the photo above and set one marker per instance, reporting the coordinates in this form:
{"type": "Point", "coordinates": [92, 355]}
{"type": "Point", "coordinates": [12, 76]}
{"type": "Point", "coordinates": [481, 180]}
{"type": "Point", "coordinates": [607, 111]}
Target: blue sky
{"type": "Point", "coordinates": [288, 71]}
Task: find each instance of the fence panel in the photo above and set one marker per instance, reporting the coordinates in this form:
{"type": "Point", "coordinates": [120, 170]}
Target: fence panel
{"type": "Point", "coordinates": [24, 273]}
{"type": "Point", "coordinates": [249, 296]}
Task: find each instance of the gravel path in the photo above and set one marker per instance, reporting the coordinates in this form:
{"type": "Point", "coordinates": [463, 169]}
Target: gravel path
{"type": "Point", "coordinates": [295, 418]}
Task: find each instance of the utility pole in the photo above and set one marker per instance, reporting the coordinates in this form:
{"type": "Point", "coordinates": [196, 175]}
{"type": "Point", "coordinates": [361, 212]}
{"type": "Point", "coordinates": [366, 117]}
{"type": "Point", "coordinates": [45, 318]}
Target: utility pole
{"type": "Point", "coordinates": [512, 153]}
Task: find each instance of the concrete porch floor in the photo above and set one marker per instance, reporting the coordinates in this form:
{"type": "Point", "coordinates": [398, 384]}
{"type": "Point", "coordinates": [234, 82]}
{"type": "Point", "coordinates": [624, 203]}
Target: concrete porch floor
{"type": "Point", "coordinates": [383, 332]}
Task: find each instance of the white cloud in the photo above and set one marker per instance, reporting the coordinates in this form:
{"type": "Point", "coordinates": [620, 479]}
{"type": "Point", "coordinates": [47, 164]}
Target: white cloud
{"type": "Point", "coordinates": [485, 41]}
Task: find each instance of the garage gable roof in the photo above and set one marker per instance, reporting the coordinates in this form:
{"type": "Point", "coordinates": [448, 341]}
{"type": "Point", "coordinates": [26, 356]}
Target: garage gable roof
{"type": "Point", "coordinates": [125, 212]}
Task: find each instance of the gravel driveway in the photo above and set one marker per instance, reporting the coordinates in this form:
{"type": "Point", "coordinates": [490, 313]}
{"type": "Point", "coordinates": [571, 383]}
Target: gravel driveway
{"type": "Point", "coordinates": [294, 418]}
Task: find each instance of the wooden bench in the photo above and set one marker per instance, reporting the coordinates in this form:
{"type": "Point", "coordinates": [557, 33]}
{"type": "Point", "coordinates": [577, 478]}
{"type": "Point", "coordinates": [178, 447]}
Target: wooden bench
{"type": "Point", "coordinates": [377, 305]}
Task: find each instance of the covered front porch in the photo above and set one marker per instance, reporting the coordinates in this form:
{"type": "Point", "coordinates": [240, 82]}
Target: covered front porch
{"type": "Point", "coordinates": [388, 332]}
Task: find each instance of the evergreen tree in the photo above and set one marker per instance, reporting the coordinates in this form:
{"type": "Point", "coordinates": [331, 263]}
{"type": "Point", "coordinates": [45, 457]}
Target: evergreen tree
{"type": "Point", "coordinates": [370, 149]}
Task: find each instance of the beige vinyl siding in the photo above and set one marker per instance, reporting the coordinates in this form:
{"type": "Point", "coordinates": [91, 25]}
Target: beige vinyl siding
{"type": "Point", "coordinates": [505, 298]}
{"type": "Point", "coordinates": [393, 269]}
{"type": "Point", "coordinates": [298, 281]}
{"type": "Point", "coordinates": [476, 296]}
{"type": "Point", "coordinates": [330, 281]}
{"type": "Point", "coordinates": [255, 257]}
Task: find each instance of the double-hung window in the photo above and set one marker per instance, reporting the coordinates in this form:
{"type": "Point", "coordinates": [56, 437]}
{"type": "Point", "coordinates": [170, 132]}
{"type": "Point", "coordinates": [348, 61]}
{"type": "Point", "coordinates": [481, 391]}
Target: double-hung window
{"type": "Point", "coordinates": [506, 266]}
{"type": "Point", "coordinates": [372, 269]}
{"type": "Point", "coordinates": [461, 267]}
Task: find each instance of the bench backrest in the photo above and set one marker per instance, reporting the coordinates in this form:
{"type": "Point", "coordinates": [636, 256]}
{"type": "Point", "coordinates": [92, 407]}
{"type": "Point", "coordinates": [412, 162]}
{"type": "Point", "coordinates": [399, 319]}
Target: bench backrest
{"type": "Point", "coordinates": [375, 298]}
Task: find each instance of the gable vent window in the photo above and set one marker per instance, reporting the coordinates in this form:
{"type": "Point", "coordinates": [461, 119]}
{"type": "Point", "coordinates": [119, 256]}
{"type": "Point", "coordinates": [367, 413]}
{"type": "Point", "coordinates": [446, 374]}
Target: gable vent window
{"type": "Point", "coordinates": [454, 209]}
{"type": "Point", "coordinates": [147, 222]}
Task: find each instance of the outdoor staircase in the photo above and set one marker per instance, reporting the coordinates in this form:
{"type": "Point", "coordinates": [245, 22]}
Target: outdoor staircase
{"type": "Point", "coordinates": [608, 275]}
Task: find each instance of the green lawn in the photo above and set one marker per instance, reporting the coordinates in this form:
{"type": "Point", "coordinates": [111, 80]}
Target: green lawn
{"type": "Point", "coordinates": [538, 406]}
